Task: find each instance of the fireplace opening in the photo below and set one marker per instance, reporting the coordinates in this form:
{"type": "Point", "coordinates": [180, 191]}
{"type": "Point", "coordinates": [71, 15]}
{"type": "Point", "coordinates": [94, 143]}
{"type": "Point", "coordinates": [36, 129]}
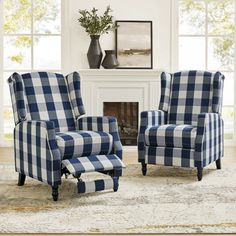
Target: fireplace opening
{"type": "Point", "coordinates": [127, 117]}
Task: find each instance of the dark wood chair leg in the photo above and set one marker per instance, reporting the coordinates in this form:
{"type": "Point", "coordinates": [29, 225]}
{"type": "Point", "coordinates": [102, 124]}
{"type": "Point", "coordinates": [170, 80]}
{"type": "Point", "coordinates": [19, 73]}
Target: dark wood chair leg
{"type": "Point", "coordinates": [115, 174]}
{"type": "Point", "coordinates": [218, 164]}
{"type": "Point", "coordinates": [116, 183]}
{"type": "Point", "coordinates": [55, 193]}
{"type": "Point", "coordinates": [21, 179]}
{"type": "Point", "coordinates": [144, 168]}
{"type": "Point", "coordinates": [199, 173]}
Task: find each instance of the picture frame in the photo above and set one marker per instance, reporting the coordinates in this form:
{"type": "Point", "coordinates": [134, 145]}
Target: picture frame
{"type": "Point", "coordinates": [134, 44]}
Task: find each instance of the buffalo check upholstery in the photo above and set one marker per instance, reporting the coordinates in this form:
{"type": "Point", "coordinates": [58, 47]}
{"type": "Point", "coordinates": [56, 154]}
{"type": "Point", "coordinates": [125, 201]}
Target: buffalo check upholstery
{"type": "Point", "coordinates": [187, 130]}
{"type": "Point", "coordinates": [92, 163]}
{"type": "Point", "coordinates": [74, 144]}
{"type": "Point", "coordinates": [182, 136]}
{"type": "Point", "coordinates": [103, 124]}
{"type": "Point", "coordinates": [36, 151]}
{"type": "Point", "coordinates": [49, 129]}
{"type": "Point", "coordinates": [97, 185]}
{"type": "Point", "coordinates": [47, 99]}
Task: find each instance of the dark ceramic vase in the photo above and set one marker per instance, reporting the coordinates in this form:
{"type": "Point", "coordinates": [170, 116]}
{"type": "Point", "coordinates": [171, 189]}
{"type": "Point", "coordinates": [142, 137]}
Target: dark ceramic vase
{"type": "Point", "coordinates": [110, 60]}
{"type": "Point", "coordinates": [94, 54]}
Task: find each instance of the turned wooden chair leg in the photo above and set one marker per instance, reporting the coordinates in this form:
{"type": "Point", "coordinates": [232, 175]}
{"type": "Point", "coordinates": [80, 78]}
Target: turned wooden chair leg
{"type": "Point", "coordinates": [21, 179]}
{"type": "Point", "coordinates": [115, 174]}
{"type": "Point", "coordinates": [218, 164]}
{"type": "Point", "coordinates": [55, 193]}
{"type": "Point", "coordinates": [144, 168]}
{"type": "Point", "coordinates": [116, 183]}
{"type": "Point", "coordinates": [199, 173]}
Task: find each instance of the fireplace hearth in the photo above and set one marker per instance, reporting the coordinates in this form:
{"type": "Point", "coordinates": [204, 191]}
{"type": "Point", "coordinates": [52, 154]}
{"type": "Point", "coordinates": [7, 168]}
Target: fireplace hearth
{"type": "Point", "coordinates": [127, 117]}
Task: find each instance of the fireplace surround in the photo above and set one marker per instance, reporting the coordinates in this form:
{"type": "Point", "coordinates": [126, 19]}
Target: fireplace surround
{"type": "Point", "coordinates": [100, 86]}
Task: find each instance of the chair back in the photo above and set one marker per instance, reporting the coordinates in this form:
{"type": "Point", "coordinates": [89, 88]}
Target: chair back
{"type": "Point", "coordinates": [47, 96]}
{"type": "Point", "coordinates": [186, 94]}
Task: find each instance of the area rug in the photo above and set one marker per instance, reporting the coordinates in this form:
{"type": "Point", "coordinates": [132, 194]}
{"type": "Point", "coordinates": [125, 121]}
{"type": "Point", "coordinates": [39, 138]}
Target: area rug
{"type": "Point", "coordinates": [167, 200]}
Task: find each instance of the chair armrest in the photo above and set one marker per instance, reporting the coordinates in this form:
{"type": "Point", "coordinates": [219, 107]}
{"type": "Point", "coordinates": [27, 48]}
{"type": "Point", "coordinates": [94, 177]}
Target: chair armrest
{"type": "Point", "coordinates": [148, 118]}
{"type": "Point", "coordinates": [209, 144]}
{"type": "Point", "coordinates": [36, 151]}
{"type": "Point", "coordinates": [105, 124]}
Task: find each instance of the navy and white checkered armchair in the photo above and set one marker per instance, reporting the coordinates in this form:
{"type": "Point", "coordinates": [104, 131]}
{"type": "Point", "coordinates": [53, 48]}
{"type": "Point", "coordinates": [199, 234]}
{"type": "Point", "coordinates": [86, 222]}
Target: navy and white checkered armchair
{"type": "Point", "coordinates": [187, 130]}
{"type": "Point", "coordinates": [51, 138]}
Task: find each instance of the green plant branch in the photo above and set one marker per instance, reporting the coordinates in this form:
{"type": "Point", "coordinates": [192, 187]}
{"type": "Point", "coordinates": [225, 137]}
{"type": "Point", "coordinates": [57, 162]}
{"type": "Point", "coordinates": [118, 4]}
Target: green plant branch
{"type": "Point", "coordinates": [94, 24]}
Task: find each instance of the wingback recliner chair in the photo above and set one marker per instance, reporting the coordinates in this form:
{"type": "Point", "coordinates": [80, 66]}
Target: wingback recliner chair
{"type": "Point", "coordinates": [187, 130]}
{"type": "Point", "coordinates": [51, 138]}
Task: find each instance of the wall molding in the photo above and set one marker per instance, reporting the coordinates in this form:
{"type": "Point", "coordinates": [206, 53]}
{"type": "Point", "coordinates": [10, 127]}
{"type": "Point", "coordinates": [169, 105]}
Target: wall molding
{"type": "Point", "coordinates": [98, 86]}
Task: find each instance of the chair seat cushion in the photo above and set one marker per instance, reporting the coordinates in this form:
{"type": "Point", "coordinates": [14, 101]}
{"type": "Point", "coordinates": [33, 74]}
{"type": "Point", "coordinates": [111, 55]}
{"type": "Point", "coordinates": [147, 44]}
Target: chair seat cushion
{"type": "Point", "coordinates": [171, 135]}
{"type": "Point", "coordinates": [83, 143]}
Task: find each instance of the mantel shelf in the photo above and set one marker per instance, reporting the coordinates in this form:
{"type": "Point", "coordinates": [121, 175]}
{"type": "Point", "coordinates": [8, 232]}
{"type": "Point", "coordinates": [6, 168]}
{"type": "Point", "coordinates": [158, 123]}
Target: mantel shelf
{"type": "Point", "coordinates": [120, 72]}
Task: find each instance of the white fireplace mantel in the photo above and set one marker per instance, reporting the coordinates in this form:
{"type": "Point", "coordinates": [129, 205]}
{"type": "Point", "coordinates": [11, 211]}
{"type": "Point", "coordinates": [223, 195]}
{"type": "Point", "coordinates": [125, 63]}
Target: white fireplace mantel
{"type": "Point", "coordinates": [119, 85]}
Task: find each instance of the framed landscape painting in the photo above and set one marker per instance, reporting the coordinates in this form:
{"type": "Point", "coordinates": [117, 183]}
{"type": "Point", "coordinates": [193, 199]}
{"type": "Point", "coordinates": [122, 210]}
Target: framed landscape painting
{"type": "Point", "coordinates": [134, 44]}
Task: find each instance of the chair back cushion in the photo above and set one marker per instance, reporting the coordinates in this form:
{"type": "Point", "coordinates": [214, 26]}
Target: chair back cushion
{"type": "Point", "coordinates": [46, 96]}
{"type": "Point", "coordinates": [194, 92]}
{"type": "Point", "coordinates": [48, 99]}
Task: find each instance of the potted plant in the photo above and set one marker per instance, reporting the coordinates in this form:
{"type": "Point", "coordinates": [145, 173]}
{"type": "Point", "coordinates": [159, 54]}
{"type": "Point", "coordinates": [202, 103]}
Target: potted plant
{"type": "Point", "coordinates": [95, 26]}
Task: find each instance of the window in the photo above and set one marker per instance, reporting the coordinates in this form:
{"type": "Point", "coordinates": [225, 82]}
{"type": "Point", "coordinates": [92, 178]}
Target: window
{"type": "Point", "coordinates": [207, 42]}
{"type": "Point", "coordinates": [31, 41]}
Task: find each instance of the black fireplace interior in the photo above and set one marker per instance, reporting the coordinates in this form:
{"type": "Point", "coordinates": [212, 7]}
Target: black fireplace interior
{"type": "Point", "coordinates": [127, 117]}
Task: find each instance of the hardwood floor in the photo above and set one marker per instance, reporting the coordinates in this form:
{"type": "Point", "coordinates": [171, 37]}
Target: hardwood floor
{"type": "Point", "coordinates": [7, 156]}
{"type": "Point", "coordinates": [130, 156]}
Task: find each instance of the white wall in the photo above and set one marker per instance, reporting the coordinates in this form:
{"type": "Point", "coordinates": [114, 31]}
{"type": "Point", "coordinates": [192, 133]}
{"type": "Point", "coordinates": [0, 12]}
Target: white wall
{"type": "Point", "coordinates": [158, 11]}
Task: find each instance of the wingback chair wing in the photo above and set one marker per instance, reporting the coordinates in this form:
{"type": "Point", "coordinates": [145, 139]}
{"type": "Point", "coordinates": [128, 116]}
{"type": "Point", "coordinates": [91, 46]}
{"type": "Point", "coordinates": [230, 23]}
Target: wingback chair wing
{"type": "Point", "coordinates": [187, 130]}
{"type": "Point", "coordinates": [51, 138]}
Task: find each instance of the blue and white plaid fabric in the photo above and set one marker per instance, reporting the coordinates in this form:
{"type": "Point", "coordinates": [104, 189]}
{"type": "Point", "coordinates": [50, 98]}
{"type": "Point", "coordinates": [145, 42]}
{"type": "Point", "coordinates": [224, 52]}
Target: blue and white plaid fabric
{"type": "Point", "coordinates": [47, 99]}
{"type": "Point", "coordinates": [47, 108]}
{"type": "Point", "coordinates": [105, 124]}
{"type": "Point", "coordinates": [73, 84]}
{"type": "Point", "coordinates": [17, 97]}
{"type": "Point", "coordinates": [218, 85]}
{"type": "Point", "coordinates": [189, 129]}
{"type": "Point", "coordinates": [169, 156]}
{"type": "Point", "coordinates": [97, 185]}
{"type": "Point", "coordinates": [192, 93]}
{"type": "Point", "coordinates": [83, 143]}
{"type": "Point", "coordinates": [165, 91]}
{"type": "Point", "coordinates": [36, 151]}
{"type": "Point", "coordinates": [210, 139]}
{"type": "Point", "coordinates": [93, 163]}
{"type": "Point", "coordinates": [148, 119]}
{"type": "Point", "coordinates": [182, 136]}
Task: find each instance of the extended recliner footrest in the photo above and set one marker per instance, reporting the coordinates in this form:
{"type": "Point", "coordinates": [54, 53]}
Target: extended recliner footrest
{"type": "Point", "coordinates": [97, 185]}
{"type": "Point", "coordinates": [96, 163]}
{"type": "Point", "coordinates": [92, 163]}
